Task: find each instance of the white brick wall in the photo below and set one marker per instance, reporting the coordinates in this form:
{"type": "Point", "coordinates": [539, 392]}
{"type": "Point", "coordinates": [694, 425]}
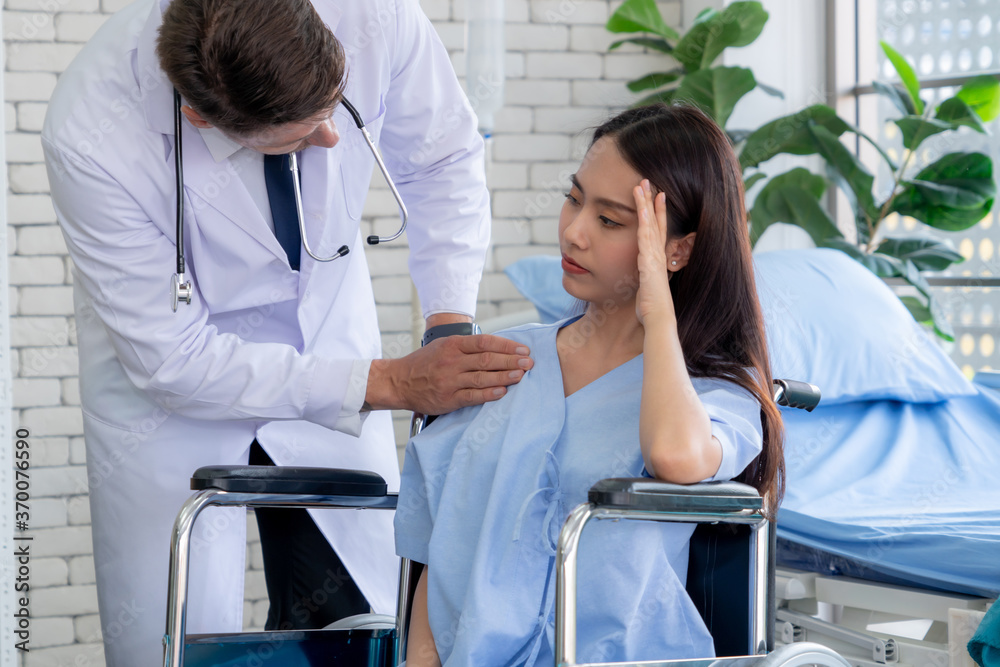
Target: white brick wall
{"type": "Point", "coordinates": [561, 81]}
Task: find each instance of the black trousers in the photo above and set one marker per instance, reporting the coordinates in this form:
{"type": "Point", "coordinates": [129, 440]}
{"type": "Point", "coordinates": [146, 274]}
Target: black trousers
{"type": "Point", "coordinates": [308, 586]}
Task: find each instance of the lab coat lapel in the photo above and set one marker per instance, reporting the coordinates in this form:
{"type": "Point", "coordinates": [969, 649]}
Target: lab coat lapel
{"type": "Point", "coordinates": [208, 183]}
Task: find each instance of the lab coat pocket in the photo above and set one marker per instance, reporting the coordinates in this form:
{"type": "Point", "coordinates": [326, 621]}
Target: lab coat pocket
{"type": "Point", "coordinates": [357, 162]}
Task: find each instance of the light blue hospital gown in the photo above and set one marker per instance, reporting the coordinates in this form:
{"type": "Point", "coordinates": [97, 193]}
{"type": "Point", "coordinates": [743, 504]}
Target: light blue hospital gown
{"type": "Point", "coordinates": [486, 489]}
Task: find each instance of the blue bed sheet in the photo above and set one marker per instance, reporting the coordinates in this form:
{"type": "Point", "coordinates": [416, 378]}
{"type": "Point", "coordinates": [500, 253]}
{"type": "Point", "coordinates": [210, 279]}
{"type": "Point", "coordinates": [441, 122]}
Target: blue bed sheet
{"type": "Point", "coordinates": [908, 490]}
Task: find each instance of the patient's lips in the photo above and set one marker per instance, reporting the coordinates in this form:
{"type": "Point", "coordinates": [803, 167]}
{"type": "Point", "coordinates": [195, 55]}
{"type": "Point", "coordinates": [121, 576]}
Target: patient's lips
{"type": "Point", "coordinates": [569, 266]}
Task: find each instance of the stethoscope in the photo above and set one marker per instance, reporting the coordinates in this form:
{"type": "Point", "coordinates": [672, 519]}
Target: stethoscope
{"type": "Point", "coordinates": [181, 289]}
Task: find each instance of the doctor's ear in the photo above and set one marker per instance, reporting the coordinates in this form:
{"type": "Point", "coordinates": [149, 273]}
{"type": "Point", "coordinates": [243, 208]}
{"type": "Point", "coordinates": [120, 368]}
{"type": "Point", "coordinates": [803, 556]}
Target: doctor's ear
{"type": "Point", "coordinates": [195, 118]}
{"type": "Point", "coordinates": [679, 252]}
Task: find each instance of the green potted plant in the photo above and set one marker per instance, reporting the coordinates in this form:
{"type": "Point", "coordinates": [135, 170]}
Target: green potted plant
{"type": "Point", "coordinates": [694, 78]}
{"type": "Point", "coordinates": [952, 194]}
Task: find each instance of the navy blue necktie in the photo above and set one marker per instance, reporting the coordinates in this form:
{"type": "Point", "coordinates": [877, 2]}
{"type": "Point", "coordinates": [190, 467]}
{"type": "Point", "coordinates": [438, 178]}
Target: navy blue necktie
{"type": "Point", "coordinates": [281, 196]}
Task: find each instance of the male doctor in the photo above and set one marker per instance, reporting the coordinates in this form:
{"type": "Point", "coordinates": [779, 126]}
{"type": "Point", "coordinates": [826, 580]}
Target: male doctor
{"type": "Point", "coordinates": [276, 352]}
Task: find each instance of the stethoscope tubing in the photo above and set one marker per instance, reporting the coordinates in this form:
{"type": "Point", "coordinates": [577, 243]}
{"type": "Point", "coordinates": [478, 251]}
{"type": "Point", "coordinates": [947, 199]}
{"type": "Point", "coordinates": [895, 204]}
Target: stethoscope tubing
{"type": "Point", "coordinates": [181, 289]}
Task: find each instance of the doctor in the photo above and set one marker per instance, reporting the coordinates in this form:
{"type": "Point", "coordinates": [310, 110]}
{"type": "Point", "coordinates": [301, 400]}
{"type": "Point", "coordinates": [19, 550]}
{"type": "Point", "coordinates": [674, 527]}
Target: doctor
{"type": "Point", "coordinates": [270, 351]}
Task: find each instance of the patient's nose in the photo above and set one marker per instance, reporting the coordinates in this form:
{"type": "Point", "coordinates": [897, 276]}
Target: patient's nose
{"type": "Point", "coordinates": [574, 232]}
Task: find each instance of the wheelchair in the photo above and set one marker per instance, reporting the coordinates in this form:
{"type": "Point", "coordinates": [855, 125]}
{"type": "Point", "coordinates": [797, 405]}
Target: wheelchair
{"type": "Point", "coordinates": [730, 572]}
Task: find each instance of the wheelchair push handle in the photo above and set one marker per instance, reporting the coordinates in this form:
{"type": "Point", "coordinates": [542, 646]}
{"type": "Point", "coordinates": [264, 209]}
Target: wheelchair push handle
{"type": "Point", "coordinates": [795, 394]}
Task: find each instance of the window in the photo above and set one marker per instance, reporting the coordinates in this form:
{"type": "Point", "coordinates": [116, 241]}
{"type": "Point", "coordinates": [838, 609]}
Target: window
{"type": "Point", "coordinates": [946, 42]}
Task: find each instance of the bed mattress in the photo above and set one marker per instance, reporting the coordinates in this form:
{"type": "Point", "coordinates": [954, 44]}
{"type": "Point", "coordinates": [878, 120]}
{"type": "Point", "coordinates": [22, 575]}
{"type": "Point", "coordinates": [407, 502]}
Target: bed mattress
{"type": "Point", "coordinates": [894, 491]}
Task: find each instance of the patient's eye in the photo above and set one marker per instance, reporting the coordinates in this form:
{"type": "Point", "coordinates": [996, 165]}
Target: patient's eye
{"type": "Point", "coordinates": [608, 222]}
{"type": "Point", "coordinates": [571, 199]}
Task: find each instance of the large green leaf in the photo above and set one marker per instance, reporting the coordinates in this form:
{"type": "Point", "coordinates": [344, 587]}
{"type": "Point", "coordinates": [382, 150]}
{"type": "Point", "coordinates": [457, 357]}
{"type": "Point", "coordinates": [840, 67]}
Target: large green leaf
{"type": "Point", "coordinates": [752, 180]}
{"type": "Point", "coordinates": [654, 43]}
{"type": "Point", "coordinates": [853, 178]}
{"type": "Point", "coordinates": [952, 194]}
{"type": "Point", "coordinates": [789, 134]}
{"type": "Point", "coordinates": [929, 314]}
{"type": "Point", "coordinates": [705, 15]}
{"type": "Point", "coordinates": [751, 18]}
{"type": "Point", "coordinates": [738, 24]}
{"type": "Point", "coordinates": [770, 90]}
{"type": "Point", "coordinates": [793, 198]}
{"type": "Point", "coordinates": [958, 113]}
{"type": "Point", "coordinates": [882, 266]}
{"type": "Point", "coordinates": [942, 327]}
{"type": "Point", "coordinates": [982, 94]}
{"type": "Point", "coordinates": [926, 253]}
{"type": "Point", "coordinates": [907, 75]}
{"type": "Point", "coordinates": [653, 80]}
{"type": "Point", "coordinates": [640, 16]}
{"type": "Point", "coordinates": [899, 98]}
{"type": "Point", "coordinates": [939, 320]}
{"type": "Point", "coordinates": [716, 90]}
{"type": "Point", "coordinates": [917, 128]}
{"type": "Point", "coordinates": [843, 245]}
{"type": "Point", "coordinates": [920, 312]}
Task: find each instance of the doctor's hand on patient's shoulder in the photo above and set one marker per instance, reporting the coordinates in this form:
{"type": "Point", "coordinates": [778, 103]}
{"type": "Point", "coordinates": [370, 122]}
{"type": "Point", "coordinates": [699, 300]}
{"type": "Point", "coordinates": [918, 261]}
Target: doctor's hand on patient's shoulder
{"type": "Point", "coordinates": [447, 374]}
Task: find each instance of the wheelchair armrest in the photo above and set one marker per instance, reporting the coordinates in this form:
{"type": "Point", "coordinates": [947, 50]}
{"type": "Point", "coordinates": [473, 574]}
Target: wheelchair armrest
{"type": "Point", "coordinates": [289, 480]}
{"type": "Point", "coordinates": [645, 494]}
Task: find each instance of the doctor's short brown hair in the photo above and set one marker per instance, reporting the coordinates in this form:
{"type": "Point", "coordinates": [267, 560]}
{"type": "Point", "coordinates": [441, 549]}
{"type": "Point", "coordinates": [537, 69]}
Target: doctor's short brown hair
{"type": "Point", "coordinates": [249, 65]}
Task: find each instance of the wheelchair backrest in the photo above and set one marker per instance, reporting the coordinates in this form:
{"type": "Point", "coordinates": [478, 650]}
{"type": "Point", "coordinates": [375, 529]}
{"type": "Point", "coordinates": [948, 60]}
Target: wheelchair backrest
{"type": "Point", "coordinates": [720, 582]}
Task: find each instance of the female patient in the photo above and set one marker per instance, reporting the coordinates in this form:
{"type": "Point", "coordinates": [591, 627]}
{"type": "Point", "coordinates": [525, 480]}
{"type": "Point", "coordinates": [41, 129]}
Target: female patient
{"type": "Point", "coordinates": [664, 374]}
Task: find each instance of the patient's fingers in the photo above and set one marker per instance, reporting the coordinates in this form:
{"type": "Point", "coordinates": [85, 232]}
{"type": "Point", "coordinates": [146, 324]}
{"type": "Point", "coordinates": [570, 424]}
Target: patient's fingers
{"type": "Point", "coordinates": [651, 231]}
{"type": "Point", "coordinates": [654, 294]}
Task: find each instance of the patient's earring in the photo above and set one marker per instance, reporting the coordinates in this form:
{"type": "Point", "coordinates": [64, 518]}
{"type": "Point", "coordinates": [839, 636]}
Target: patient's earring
{"type": "Point", "coordinates": [673, 263]}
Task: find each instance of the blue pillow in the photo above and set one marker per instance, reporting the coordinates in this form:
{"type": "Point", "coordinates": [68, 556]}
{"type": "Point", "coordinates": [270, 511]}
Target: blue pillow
{"type": "Point", "coordinates": [832, 322]}
{"type": "Point", "coordinates": [539, 279]}
{"type": "Point", "coordinates": [829, 321]}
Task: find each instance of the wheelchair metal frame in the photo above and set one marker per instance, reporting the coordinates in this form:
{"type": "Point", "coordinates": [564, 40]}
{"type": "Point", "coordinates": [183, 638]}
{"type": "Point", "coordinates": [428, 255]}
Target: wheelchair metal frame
{"type": "Point", "coordinates": [699, 503]}
{"type": "Point", "coordinates": [180, 549]}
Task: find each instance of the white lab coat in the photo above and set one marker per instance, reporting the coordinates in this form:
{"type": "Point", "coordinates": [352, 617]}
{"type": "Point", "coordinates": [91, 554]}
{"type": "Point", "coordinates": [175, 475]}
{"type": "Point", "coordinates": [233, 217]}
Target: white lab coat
{"type": "Point", "coordinates": [262, 351]}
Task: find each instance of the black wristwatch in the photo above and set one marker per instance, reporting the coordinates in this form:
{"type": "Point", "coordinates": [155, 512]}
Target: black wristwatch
{"type": "Point", "coordinates": [452, 329]}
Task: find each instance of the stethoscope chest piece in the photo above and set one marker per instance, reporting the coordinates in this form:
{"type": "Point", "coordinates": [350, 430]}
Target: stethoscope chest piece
{"type": "Point", "coordinates": [180, 291]}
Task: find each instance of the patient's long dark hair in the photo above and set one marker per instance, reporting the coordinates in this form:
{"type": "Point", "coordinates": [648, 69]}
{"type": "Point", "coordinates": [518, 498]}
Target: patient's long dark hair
{"type": "Point", "coordinates": [684, 154]}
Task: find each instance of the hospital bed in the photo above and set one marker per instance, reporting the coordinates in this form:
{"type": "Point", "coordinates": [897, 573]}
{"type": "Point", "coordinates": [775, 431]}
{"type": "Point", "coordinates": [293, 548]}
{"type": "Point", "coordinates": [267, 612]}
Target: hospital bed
{"type": "Point", "coordinates": [901, 555]}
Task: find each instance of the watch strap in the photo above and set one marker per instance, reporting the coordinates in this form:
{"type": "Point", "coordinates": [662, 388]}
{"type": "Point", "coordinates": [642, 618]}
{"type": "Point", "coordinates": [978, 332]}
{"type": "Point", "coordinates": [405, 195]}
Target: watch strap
{"type": "Point", "coordinates": [451, 329]}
